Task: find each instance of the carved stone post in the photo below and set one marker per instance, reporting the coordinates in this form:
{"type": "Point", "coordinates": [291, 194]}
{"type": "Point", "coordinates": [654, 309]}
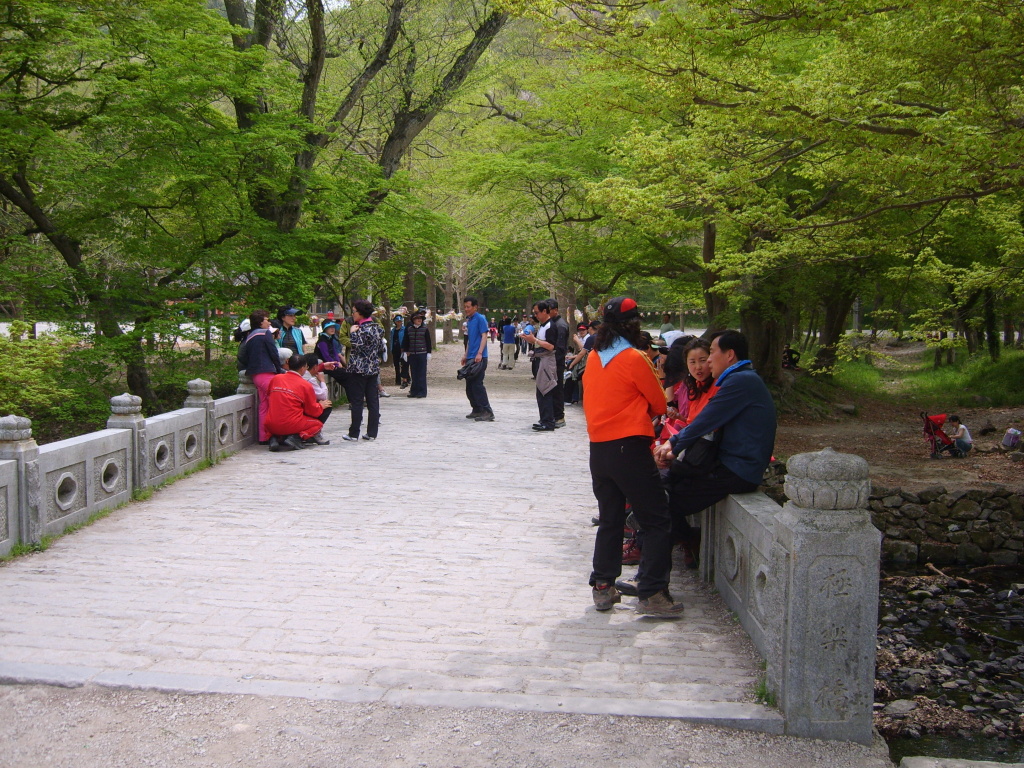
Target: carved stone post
{"type": "Point", "coordinates": [825, 672]}
{"type": "Point", "coordinates": [16, 444]}
{"type": "Point", "coordinates": [199, 397]}
{"type": "Point", "coordinates": [245, 385]}
{"type": "Point", "coordinates": [126, 413]}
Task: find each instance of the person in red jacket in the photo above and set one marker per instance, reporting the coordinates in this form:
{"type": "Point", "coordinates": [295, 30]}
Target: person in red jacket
{"type": "Point", "coordinates": [621, 395]}
{"type": "Point", "coordinates": [295, 418]}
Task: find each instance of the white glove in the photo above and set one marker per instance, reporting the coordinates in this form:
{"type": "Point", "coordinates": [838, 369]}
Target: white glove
{"type": "Point", "coordinates": [428, 357]}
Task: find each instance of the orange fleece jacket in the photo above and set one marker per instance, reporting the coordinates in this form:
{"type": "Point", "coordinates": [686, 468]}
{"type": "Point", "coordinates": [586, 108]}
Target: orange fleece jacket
{"type": "Point", "coordinates": [620, 400]}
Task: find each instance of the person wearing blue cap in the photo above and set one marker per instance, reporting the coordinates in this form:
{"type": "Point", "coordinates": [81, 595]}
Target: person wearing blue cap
{"type": "Point", "coordinates": [291, 335]}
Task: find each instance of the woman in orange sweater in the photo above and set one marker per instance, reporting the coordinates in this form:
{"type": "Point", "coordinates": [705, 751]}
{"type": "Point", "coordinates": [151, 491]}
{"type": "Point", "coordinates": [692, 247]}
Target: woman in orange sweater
{"type": "Point", "coordinates": [699, 385]}
{"type": "Point", "coordinates": [622, 395]}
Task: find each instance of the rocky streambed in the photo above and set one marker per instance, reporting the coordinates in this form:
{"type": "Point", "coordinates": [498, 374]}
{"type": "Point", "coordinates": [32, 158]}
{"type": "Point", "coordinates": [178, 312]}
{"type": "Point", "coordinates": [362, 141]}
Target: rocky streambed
{"type": "Point", "coordinates": [950, 663]}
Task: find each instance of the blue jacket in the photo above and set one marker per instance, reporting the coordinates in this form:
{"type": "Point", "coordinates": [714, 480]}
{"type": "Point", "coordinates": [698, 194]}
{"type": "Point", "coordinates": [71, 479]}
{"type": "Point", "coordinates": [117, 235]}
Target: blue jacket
{"type": "Point", "coordinates": [743, 409]}
{"type": "Point", "coordinates": [258, 353]}
{"type": "Point", "coordinates": [296, 333]}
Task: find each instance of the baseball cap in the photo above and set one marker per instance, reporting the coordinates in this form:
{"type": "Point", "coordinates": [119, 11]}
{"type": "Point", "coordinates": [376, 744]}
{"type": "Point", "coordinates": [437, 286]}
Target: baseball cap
{"type": "Point", "coordinates": [620, 309]}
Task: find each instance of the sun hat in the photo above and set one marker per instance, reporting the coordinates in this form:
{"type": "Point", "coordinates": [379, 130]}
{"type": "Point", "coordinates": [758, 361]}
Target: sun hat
{"type": "Point", "coordinates": [330, 324]}
{"type": "Point", "coordinates": [620, 309]}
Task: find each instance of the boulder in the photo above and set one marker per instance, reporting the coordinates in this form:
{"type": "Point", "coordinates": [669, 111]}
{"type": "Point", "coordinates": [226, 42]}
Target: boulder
{"type": "Point", "coordinates": [896, 551]}
{"type": "Point", "coordinates": [931, 493]}
{"type": "Point", "coordinates": [937, 554]}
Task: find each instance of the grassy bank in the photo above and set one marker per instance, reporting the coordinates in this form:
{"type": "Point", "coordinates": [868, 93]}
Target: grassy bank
{"type": "Point", "coordinates": [969, 382]}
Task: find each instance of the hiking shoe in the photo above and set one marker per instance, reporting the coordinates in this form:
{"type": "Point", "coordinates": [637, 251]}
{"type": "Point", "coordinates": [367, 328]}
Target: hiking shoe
{"type": "Point", "coordinates": [543, 428]}
{"type": "Point", "coordinates": [659, 604]}
{"type": "Point", "coordinates": [368, 438]}
{"type": "Point", "coordinates": [293, 442]}
{"type": "Point", "coordinates": [630, 552]}
{"type": "Point", "coordinates": [473, 414]}
{"type": "Point", "coordinates": [318, 439]}
{"type": "Point", "coordinates": [349, 438]}
{"type": "Point", "coordinates": [560, 423]}
{"type": "Point", "coordinates": [275, 444]}
{"type": "Point", "coordinates": [605, 596]}
{"type": "Point", "coordinates": [628, 586]}
{"type": "Point", "coordinates": [485, 416]}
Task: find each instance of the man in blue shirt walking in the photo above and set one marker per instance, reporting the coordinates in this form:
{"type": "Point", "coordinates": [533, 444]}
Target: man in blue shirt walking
{"type": "Point", "coordinates": [477, 331]}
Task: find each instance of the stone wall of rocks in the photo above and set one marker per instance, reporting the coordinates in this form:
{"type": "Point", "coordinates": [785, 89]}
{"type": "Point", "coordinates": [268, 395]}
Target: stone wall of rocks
{"type": "Point", "coordinates": [943, 527]}
{"type": "Point", "coordinates": [936, 525]}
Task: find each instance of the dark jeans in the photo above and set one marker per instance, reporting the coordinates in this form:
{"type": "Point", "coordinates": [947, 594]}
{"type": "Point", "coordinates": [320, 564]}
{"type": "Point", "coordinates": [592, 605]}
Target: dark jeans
{"type": "Point", "coordinates": [401, 370]}
{"type": "Point", "coordinates": [362, 389]}
{"type": "Point", "coordinates": [546, 406]}
{"type": "Point", "coordinates": [624, 470]}
{"type": "Point", "coordinates": [475, 390]}
{"type": "Point", "coordinates": [418, 371]}
{"type": "Point", "coordinates": [690, 495]}
{"type": "Point", "coordinates": [560, 387]}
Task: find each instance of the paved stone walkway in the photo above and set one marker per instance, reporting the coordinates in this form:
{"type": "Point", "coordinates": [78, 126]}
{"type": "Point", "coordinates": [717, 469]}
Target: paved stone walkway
{"type": "Point", "coordinates": [444, 564]}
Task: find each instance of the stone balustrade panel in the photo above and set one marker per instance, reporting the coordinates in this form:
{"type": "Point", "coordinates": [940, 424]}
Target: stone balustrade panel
{"type": "Point", "coordinates": [9, 528]}
{"type": "Point", "coordinates": [83, 475]}
{"type": "Point", "coordinates": [234, 423]}
{"type": "Point", "coordinates": [176, 443]}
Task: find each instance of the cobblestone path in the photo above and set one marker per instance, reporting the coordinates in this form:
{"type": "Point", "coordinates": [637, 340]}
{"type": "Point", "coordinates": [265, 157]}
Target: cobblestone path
{"type": "Point", "coordinates": [446, 563]}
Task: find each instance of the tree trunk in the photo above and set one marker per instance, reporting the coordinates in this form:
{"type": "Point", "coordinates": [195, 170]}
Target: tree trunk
{"type": "Point", "coordinates": [449, 285]}
{"type": "Point", "coordinates": [938, 351]}
{"type": "Point", "coordinates": [432, 306]}
{"type": "Point", "coordinates": [811, 324]}
{"type": "Point", "coordinates": [837, 309]}
{"type": "Point", "coordinates": [715, 304]}
{"type": "Point", "coordinates": [410, 290]}
{"type": "Point", "coordinates": [1007, 331]}
{"type": "Point", "coordinates": [765, 332]}
{"type": "Point", "coordinates": [991, 331]}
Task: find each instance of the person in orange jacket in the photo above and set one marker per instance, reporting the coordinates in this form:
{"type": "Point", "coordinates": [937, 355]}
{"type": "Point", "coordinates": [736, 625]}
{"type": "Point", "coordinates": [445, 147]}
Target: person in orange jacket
{"type": "Point", "coordinates": [621, 396]}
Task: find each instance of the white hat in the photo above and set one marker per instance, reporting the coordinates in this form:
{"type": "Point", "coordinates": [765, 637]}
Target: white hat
{"type": "Point", "coordinates": [245, 325]}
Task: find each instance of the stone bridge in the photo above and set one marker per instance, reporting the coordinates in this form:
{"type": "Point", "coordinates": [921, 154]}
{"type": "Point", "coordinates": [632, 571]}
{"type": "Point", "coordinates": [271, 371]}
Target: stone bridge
{"type": "Point", "coordinates": [444, 564]}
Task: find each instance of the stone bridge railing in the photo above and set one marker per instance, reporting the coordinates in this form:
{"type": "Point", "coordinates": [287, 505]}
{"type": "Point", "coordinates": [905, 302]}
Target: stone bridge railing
{"type": "Point", "coordinates": [46, 489]}
{"type": "Point", "coordinates": [803, 581]}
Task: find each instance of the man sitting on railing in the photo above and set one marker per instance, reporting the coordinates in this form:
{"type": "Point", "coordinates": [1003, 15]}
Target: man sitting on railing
{"type": "Point", "coordinates": [295, 417]}
{"type": "Point", "coordinates": [743, 415]}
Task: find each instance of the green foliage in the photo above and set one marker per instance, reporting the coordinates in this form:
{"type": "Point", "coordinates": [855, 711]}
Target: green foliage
{"type": "Point", "coordinates": [46, 380]}
{"type": "Point", "coordinates": [940, 389]}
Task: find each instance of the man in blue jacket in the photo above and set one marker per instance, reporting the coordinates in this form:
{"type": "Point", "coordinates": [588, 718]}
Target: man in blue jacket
{"type": "Point", "coordinates": [742, 409]}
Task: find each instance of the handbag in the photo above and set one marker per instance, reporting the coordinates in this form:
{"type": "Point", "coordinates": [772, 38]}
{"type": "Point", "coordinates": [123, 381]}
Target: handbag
{"type": "Point", "coordinates": [470, 370]}
{"type": "Point", "coordinates": [700, 459]}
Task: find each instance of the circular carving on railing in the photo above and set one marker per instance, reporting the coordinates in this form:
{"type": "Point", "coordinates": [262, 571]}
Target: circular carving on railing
{"type": "Point", "coordinates": [191, 445]}
{"type": "Point", "coordinates": [66, 491]}
{"type": "Point", "coordinates": [244, 424]}
{"type": "Point", "coordinates": [223, 432]}
{"type": "Point", "coordinates": [730, 558]}
{"type": "Point", "coordinates": [761, 589]}
{"type": "Point", "coordinates": [161, 455]}
{"type": "Point", "coordinates": [109, 476]}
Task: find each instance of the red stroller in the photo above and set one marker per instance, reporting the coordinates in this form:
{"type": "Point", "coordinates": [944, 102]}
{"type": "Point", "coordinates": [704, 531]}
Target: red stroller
{"type": "Point", "coordinates": [937, 439]}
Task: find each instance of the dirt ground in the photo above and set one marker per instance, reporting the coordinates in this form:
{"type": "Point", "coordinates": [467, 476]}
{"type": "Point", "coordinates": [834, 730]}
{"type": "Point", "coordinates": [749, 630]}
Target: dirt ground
{"type": "Point", "coordinates": [890, 437]}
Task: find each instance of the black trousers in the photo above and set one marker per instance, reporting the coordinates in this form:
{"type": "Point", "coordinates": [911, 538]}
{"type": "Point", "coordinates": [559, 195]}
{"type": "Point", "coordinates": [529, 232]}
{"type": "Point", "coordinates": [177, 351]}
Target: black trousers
{"type": "Point", "coordinates": [560, 387]}
{"type": "Point", "coordinates": [418, 371]}
{"type": "Point", "coordinates": [690, 495]}
{"type": "Point", "coordinates": [624, 470]}
{"type": "Point", "coordinates": [401, 370]}
{"type": "Point", "coordinates": [475, 390]}
{"type": "Point", "coordinates": [363, 389]}
{"type": "Point", "coordinates": [546, 407]}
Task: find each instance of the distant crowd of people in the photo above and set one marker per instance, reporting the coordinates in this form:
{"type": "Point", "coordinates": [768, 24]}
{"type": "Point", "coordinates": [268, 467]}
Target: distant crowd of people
{"type": "Point", "coordinates": [291, 386]}
{"type": "Point", "coordinates": [675, 422]}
